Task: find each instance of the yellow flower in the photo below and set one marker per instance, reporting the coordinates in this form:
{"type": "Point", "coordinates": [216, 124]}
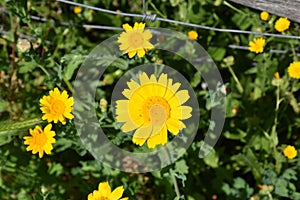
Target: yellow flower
{"type": "Point", "coordinates": [257, 45]}
{"type": "Point", "coordinates": [290, 152]}
{"type": "Point", "coordinates": [77, 10]}
{"type": "Point", "coordinates": [57, 107]}
{"type": "Point", "coordinates": [135, 40]}
{"type": "Point", "coordinates": [153, 108]}
{"type": "Point", "coordinates": [264, 16]}
{"type": "Point", "coordinates": [104, 193]}
{"type": "Point", "coordinates": [282, 24]}
{"type": "Point", "coordinates": [193, 35]}
{"type": "Point", "coordinates": [276, 75]}
{"type": "Point", "coordinates": [294, 70]}
{"type": "Point", "coordinates": [40, 140]}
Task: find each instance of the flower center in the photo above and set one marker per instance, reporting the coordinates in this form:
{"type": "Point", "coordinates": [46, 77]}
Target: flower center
{"type": "Point", "coordinates": [136, 40]}
{"type": "Point", "coordinates": [58, 106]}
{"type": "Point", "coordinates": [40, 139]}
{"type": "Point", "coordinates": [155, 110]}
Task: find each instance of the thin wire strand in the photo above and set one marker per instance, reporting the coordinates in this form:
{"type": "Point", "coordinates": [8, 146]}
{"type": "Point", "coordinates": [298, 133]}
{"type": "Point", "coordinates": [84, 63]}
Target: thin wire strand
{"type": "Point", "coordinates": [179, 22]}
{"type": "Point", "coordinates": [144, 7]}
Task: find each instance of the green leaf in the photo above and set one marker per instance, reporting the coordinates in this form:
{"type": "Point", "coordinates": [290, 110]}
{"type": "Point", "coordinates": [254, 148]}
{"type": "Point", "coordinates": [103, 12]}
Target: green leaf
{"type": "Point", "coordinates": [212, 159]}
{"type": "Point", "coordinates": [26, 66]}
{"type": "Point", "coordinates": [217, 53]}
{"type": "Point", "coordinates": [181, 167]}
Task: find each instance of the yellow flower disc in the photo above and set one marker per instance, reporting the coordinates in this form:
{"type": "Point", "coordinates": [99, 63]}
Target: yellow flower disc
{"type": "Point", "coordinates": [282, 24]}
{"type": "Point", "coordinates": [135, 40]}
{"type": "Point", "coordinates": [294, 70]}
{"type": "Point", "coordinates": [57, 106]}
{"type": "Point", "coordinates": [40, 140]}
{"type": "Point", "coordinates": [104, 193]}
{"type": "Point", "coordinates": [193, 35]}
{"type": "Point", "coordinates": [153, 108]}
{"type": "Point", "coordinates": [264, 16]}
{"type": "Point", "coordinates": [290, 152]}
{"type": "Point", "coordinates": [257, 45]}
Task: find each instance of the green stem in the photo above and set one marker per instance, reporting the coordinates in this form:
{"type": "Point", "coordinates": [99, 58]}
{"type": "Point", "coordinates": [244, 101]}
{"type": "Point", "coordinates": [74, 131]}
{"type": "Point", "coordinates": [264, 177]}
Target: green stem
{"type": "Point", "coordinates": [173, 175]}
{"type": "Point", "coordinates": [69, 85]}
{"type": "Point", "coordinates": [239, 85]}
{"type": "Point", "coordinates": [156, 10]}
{"type": "Point", "coordinates": [19, 125]}
{"type": "Point", "coordinates": [233, 8]}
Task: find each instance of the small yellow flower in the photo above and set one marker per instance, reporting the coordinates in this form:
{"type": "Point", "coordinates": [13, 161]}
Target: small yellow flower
{"type": "Point", "coordinates": [40, 140]}
{"type": "Point", "coordinates": [257, 45]}
{"type": "Point", "coordinates": [135, 40]}
{"type": "Point", "coordinates": [294, 70]}
{"type": "Point", "coordinates": [193, 35]}
{"type": "Point", "coordinates": [276, 75]}
{"type": "Point", "coordinates": [57, 107]}
{"type": "Point", "coordinates": [290, 152]}
{"type": "Point", "coordinates": [77, 10]}
{"type": "Point", "coordinates": [104, 193]}
{"type": "Point", "coordinates": [152, 108]}
{"type": "Point", "coordinates": [282, 24]}
{"type": "Point", "coordinates": [264, 16]}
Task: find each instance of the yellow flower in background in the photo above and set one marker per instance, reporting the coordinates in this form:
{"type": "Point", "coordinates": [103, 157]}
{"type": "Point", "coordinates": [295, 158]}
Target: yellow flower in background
{"type": "Point", "coordinates": [264, 16]}
{"type": "Point", "coordinates": [57, 106]}
{"type": "Point", "coordinates": [276, 75]}
{"type": "Point", "coordinates": [282, 24]}
{"type": "Point", "coordinates": [257, 45]}
{"type": "Point", "coordinates": [77, 9]}
{"type": "Point", "coordinates": [135, 40]}
{"type": "Point", "coordinates": [104, 193]}
{"type": "Point", "coordinates": [193, 35]}
{"type": "Point", "coordinates": [40, 140]}
{"type": "Point", "coordinates": [294, 70]}
{"type": "Point", "coordinates": [153, 108]}
{"type": "Point", "coordinates": [290, 152]}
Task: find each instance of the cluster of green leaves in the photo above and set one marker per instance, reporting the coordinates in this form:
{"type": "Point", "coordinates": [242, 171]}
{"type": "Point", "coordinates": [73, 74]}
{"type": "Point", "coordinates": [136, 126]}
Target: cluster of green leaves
{"type": "Point", "coordinates": [262, 112]}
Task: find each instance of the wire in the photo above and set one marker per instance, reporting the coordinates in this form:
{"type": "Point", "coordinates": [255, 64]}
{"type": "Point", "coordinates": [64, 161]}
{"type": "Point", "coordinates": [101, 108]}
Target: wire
{"type": "Point", "coordinates": [153, 17]}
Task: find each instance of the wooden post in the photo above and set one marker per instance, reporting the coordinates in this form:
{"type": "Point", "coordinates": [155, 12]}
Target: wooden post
{"type": "Point", "coordinates": [282, 8]}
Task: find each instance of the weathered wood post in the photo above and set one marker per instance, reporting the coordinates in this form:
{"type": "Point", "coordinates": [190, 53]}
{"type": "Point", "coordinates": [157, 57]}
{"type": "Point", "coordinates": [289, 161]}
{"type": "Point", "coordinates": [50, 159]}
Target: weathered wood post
{"type": "Point", "coordinates": [282, 8]}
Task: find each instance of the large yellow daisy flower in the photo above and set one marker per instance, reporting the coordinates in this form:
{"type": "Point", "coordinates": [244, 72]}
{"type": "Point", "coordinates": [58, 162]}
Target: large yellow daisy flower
{"type": "Point", "coordinates": [40, 140]}
{"type": "Point", "coordinates": [153, 108]}
{"type": "Point", "coordinates": [135, 40]}
{"type": "Point", "coordinates": [57, 106]}
{"type": "Point", "coordinates": [104, 193]}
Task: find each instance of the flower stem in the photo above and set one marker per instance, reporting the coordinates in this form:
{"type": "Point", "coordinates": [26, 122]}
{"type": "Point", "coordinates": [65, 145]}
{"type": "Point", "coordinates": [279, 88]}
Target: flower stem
{"type": "Point", "coordinates": [172, 173]}
{"type": "Point", "coordinates": [239, 85]}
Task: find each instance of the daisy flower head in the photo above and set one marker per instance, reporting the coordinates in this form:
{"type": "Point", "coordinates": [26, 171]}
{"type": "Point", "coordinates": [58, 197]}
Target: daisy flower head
{"type": "Point", "coordinates": [290, 152]}
{"type": "Point", "coordinates": [282, 24]}
{"type": "Point", "coordinates": [40, 140]}
{"type": "Point", "coordinates": [104, 193]}
{"type": "Point", "coordinates": [264, 16]}
{"type": "Point", "coordinates": [77, 10]}
{"type": "Point", "coordinates": [135, 40]}
{"type": "Point", "coordinates": [152, 108]}
{"type": "Point", "coordinates": [294, 70]}
{"type": "Point", "coordinates": [193, 35]}
{"type": "Point", "coordinates": [57, 106]}
{"type": "Point", "coordinates": [257, 45]}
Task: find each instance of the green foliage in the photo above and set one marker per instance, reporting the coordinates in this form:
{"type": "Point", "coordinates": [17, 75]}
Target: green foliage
{"type": "Point", "coordinates": [262, 115]}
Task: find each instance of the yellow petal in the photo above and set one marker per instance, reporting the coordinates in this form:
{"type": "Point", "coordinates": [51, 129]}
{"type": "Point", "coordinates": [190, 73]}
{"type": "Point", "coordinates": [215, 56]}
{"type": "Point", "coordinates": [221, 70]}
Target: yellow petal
{"type": "Point", "coordinates": [117, 193]}
{"type": "Point", "coordinates": [141, 135]}
{"type": "Point", "coordinates": [147, 34]}
{"type": "Point", "coordinates": [141, 53]}
{"type": "Point", "coordinates": [104, 189]}
{"type": "Point", "coordinates": [173, 125]}
{"type": "Point", "coordinates": [127, 27]}
{"type": "Point", "coordinates": [181, 112]}
{"type": "Point", "coordinates": [154, 140]}
{"type": "Point", "coordinates": [131, 53]}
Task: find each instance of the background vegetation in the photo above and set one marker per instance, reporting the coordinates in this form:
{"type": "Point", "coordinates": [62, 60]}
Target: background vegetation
{"type": "Point", "coordinates": [262, 111]}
